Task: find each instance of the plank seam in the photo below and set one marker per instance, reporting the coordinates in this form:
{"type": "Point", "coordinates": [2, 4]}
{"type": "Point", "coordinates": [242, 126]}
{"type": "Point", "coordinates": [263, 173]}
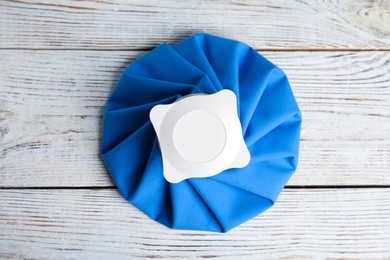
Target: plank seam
{"type": "Point", "coordinates": [294, 187]}
{"type": "Point", "coordinates": [257, 49]}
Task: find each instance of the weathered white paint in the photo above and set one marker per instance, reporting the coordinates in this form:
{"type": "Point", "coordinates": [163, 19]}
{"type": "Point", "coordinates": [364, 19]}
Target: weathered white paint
{"type": "Point", "coordinates": [52, 98]}
{"type": "Point", "coordinates": [139, 24]}
{"type": "Point", "coordinates": [99, 224]}
{"type": "Point", "coordinates": [52, 106]}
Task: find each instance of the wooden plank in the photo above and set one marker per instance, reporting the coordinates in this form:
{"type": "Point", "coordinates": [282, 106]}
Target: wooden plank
{"type": "Point", "coordinates": [324, 223]}
{"type": "Point", "coordinates": [52, 104]}
{"type": "Point", "coordinates": [134, 25]}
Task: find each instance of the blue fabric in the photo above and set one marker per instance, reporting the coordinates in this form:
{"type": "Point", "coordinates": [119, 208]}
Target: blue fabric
{"type": "Point", "coordinates": [269, 116]}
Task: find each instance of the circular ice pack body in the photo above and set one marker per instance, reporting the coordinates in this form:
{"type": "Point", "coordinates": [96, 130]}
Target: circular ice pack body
{"type": "Point", "coordinates": [200, 136]}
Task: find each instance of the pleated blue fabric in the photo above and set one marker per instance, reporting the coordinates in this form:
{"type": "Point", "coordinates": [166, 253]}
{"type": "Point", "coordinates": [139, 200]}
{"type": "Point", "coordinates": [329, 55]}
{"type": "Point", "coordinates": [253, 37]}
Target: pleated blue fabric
{"type": "Point", "coordinates": [269, 116]}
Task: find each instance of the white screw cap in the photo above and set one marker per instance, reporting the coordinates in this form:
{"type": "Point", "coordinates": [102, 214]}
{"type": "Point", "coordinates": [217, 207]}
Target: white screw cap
{"type": "Point", "coordinates": [200, 136]}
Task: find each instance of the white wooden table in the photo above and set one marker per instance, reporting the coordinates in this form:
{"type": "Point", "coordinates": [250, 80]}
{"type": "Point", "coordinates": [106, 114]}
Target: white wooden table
{"type": "Point", "coordinates": [59, 62]}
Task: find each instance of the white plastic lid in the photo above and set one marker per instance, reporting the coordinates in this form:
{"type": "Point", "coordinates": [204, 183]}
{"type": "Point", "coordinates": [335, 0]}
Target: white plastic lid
{"type": "Point", "coordinates": [200, 136]}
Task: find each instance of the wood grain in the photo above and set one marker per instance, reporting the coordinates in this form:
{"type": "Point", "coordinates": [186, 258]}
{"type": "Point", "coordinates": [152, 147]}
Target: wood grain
{"type": "Point", "coordinates": [134, 25]}
{"type": "Point", "coordinates": [324, 223]}
{"type": "Point", "coordinates": [61, 59]}
{"type": "Point", "coordinates": [52, 104]}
